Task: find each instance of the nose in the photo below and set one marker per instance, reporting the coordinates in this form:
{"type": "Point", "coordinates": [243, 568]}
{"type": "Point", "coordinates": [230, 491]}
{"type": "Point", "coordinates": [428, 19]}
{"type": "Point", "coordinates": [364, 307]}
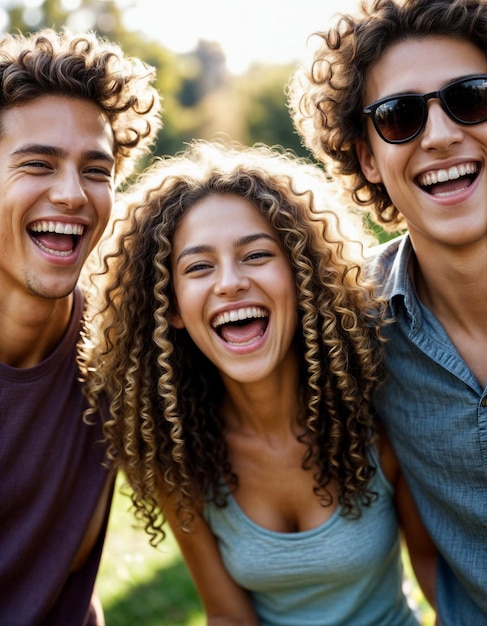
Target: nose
{"type": "Point", "coordinates": [231, 280]}
{"type": "Point", "coordinates": [440, 131]}
{"type": "Point", "coordinates": [67, 190]}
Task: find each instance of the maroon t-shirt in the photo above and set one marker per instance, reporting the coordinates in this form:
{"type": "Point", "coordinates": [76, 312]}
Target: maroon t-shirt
{"type": "Point", "coordinates": [51, 478]}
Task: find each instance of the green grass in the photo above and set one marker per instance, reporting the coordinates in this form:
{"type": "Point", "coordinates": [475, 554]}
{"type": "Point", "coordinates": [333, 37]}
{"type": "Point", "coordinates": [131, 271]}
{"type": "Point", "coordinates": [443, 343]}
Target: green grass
{"type": "Point", "coordinates": [145, 586]}
{"type": "Point", "coordinates": [142, 585]}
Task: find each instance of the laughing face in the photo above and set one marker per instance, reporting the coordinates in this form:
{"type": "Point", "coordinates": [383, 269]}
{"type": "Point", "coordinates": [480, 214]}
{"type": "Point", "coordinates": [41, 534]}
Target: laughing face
{"type": "Point", "coordinates": [234, 287]}
{"type": "Point", "coordinates": [56, 172]}
{"type": "Point", "coordinates": [438, 179]}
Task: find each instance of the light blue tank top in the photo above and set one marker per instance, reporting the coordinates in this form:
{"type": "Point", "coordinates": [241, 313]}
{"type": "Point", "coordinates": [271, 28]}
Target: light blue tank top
{"type": "Point", "coordinates": [346, 572]}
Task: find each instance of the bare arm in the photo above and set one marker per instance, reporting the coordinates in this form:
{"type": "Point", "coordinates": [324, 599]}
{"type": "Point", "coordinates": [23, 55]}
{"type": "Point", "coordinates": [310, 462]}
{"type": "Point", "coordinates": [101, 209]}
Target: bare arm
{"type": "Point", "coordinates": [422, 551]}
{"type": "Point", "coordinates": [224, 601]}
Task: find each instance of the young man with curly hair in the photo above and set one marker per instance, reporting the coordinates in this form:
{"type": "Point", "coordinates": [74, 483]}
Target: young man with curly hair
{"type": "Point", "coordinates": [75, 114]}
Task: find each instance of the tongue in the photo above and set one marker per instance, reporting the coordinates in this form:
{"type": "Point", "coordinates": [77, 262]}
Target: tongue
{"type": "Point", "coordinates": [450, 186]}
{"type": "Point", "coordinates": [245, 332]}
{"type": "Point", "coordinates": [53, 241]}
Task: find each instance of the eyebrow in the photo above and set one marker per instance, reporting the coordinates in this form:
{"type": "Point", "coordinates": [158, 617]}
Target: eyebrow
{"type": "Point", "coordinates": [90, 155]}
{"type": "Point", "coordinates": [241, 241]}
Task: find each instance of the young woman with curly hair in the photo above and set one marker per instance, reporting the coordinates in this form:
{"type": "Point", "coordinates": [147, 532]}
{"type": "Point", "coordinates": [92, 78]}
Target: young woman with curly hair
{"type": "Point", "coordinates": [240, 347]}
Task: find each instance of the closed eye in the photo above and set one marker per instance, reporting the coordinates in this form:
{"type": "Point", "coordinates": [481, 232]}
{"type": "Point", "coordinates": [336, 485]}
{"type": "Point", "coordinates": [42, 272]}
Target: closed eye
{"type": "Point", "coordinates": [99, 172]}
{"type": "Point", "coordinates": [198, 267]}
{"type": "Point", "coordinates": [36, 165]}
{"type": "Point", "coordinates": [259, 255]}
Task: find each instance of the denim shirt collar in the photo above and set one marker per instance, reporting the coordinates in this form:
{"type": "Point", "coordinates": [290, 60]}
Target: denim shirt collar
{"type": "Point", "coordinates": [397, 284]}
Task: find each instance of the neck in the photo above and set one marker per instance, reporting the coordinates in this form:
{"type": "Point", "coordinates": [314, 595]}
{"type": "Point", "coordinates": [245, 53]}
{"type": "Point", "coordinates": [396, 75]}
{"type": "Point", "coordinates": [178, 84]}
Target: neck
{"type": "Point", "coordinates": [269, 407]}
{"type": "Point", "coordinates": [454, 288]}
{"type": "Point", "coordinates": [31, 328]}
{"type": "Point", "coordinates": [452, 283]}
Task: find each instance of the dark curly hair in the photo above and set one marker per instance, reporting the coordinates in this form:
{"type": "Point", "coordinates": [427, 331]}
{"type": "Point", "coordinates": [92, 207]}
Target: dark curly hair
{"type": "Point", "coordinates": [165, 395]}
{"type": "Point", "coordinates": [326, 100]}
{"type": "Point", "coordinates": [88, 67]}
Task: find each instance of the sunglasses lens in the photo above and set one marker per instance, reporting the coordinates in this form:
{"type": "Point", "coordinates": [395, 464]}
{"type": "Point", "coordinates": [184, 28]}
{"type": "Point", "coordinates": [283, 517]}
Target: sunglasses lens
{"type": "Point", "coordinates": [399, 119]}
{"type": "Point", "coordinates": [467, 101]}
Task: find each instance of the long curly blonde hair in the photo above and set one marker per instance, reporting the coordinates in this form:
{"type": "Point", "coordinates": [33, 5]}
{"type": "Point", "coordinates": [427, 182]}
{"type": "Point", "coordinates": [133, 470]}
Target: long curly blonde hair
{"type": "Point", "coordinates": [164, 425]}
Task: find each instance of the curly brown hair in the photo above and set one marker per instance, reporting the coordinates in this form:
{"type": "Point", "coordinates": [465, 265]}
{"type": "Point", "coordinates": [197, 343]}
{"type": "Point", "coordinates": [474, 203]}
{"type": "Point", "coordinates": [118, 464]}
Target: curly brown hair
{"type": "Point", "coordinates": [165, 395]}
{"type": "Point", "coordinates": [88, 67]}
{"type": "Point", "coordinates": [326, 100]}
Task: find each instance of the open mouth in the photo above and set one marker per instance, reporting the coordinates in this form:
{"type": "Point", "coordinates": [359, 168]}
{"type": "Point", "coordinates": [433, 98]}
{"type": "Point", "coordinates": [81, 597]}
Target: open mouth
{"type": "Point", "coordinates": [241, 326]}
{"type": "Point", "coordinates": [445, 181]}
{"type": "Point", "coordinates": [57, 238]}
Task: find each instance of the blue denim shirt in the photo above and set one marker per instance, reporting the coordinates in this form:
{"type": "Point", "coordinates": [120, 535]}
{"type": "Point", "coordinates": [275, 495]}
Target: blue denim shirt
{"type": "Point", "coordinates": [435, 412]}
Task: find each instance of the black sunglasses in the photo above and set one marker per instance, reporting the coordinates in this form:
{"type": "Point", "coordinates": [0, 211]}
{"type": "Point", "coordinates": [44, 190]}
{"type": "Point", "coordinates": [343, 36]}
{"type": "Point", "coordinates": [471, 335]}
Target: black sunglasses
{"type": "Point", "coordinates": [398, 119]}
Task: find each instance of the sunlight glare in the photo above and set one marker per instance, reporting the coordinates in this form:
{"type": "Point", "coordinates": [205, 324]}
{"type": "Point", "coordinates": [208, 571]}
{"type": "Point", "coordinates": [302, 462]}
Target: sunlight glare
{"type": "Point", "coordinates": [249, 31]}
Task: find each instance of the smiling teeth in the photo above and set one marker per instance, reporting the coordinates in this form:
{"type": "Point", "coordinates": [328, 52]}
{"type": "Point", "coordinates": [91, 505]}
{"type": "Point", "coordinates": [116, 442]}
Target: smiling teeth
{"type": "Point", "coordinates": [54, 252]}
{"type": "Point", "coordinates": [237, 315]}
{"type": "Point", "coordinates": [442, 176]}
{"type": "Point", "coordinates": [60, 228]}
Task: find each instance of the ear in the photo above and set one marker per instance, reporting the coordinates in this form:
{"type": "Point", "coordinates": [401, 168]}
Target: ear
{"type": "Point", "coordinates": [368, 162]}
{"type": "Point", "coordinates": [176, 321]}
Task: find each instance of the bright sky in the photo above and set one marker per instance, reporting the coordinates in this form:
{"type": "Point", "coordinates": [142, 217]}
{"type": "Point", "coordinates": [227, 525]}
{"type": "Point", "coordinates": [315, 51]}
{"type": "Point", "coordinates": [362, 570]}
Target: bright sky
{"type": "Point", "coordinates": [266, 31]}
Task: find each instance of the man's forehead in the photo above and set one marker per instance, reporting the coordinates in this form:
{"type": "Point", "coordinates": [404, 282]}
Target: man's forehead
{"type": "Point", "coordinates": [58, 125]}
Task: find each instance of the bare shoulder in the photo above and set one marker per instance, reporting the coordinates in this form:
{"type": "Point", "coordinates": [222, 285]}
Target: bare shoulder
{"type": "Point", "coordinates": [388, 458]}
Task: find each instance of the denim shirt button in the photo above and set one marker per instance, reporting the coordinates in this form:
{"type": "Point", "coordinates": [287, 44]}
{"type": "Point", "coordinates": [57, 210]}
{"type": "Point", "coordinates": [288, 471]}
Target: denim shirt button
{"type": "Point", "coordinates": [483, 402]}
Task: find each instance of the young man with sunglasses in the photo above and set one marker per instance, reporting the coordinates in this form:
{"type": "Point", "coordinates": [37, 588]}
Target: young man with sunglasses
{"type": "Point", "coordinates": [395, 103]}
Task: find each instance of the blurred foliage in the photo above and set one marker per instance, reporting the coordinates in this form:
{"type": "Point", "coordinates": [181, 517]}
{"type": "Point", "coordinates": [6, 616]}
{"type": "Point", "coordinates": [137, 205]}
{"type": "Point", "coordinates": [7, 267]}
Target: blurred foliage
{"type": "Point", "coordinates": [201, 98]}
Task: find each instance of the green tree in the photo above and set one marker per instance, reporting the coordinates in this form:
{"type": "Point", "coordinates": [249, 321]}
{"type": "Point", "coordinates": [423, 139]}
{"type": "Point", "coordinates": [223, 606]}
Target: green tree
{"type": "Point", "coordinates": [201, 99]}
{"type": "Point", "coordinates": [266, 112]}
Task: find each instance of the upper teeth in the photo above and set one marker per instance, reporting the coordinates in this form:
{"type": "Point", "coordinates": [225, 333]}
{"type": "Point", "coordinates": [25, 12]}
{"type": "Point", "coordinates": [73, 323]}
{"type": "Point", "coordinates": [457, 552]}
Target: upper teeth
{"type": "Point", "coordinates": [60, 228]}
{"type": "Point", "coordinates": [442, 176]}
{"type": "Point", "coordinates": [237, 315]}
